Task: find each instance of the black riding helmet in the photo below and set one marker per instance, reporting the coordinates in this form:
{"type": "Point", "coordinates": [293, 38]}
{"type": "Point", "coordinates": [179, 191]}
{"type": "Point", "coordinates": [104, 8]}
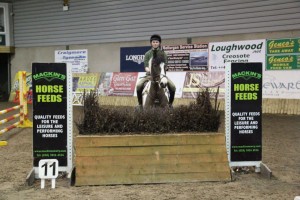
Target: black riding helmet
{"type": "Point", "coordinates": [155, 37]}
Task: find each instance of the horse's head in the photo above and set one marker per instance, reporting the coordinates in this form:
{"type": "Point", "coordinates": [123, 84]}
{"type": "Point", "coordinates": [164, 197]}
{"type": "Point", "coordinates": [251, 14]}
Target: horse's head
{"type": "Point", "coordinates": [157, 68]}
{"type": "Point", "coordinates": [156, 89]}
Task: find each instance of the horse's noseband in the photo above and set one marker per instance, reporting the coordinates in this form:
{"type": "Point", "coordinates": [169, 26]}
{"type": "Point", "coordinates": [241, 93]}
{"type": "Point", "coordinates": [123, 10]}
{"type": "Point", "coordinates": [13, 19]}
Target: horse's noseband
{"type": "Point", "coordinates": [160, 81]}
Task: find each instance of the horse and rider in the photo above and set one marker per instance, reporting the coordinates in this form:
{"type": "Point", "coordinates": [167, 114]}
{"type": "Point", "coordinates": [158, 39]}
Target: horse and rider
{"type": "Point", "coordinates": [155, 85]}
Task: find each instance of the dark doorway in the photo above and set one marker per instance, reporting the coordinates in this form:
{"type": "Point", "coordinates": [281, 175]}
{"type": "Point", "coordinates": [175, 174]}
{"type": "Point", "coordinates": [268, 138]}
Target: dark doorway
{"type": "Point", "coordinates": [4, 77]}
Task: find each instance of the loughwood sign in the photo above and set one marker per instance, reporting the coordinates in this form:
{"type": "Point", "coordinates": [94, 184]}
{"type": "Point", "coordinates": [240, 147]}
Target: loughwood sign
{"type": "Point", "coordinates": [221, 53]}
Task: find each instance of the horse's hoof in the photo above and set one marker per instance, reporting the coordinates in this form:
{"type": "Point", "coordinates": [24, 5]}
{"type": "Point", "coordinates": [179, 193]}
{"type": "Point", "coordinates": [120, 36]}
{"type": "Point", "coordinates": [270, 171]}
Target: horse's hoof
{"type": "Point", "coordinates": [139, 108]}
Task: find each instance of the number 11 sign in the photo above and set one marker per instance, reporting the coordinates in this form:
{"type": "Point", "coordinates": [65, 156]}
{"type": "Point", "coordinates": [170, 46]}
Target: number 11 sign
{"type": "Point", "coordinates": [48, 169]}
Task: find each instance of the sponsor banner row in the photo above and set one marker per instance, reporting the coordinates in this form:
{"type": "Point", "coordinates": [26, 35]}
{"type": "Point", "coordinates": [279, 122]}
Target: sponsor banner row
{"type": "Point", "coordinates": [197, 57]}
{"type": "Point", "coordinates": [277, 54]}
{"type": "Point", "coordinates": [188, 84]}
{"type": "Point", "coordinates": [276, 84]}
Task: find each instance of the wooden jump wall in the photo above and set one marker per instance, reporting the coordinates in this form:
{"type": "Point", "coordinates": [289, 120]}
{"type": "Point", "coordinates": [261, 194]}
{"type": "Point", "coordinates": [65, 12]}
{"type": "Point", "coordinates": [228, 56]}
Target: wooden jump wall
{"type": "Point", "coordinates": [140, 159]}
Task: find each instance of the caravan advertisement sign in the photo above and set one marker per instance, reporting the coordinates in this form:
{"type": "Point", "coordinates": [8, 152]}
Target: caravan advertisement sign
{"type": "Point", "coordinates": [187, 57]}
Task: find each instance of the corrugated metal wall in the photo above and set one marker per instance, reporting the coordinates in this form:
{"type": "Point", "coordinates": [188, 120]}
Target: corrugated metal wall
{"type": "Point", "coordinates": [44, 23]}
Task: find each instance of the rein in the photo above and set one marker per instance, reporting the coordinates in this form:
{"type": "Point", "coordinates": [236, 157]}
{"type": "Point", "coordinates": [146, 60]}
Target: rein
{"type": "Point", "coordinates": [157, 78]}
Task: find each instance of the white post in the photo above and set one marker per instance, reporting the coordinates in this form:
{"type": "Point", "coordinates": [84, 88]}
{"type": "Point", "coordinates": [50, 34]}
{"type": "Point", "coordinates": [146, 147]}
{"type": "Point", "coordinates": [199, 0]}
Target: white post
{"type": "Point", "coordinates": [53, 183]}
{"type": "Point", "coordinates": [42, 183]}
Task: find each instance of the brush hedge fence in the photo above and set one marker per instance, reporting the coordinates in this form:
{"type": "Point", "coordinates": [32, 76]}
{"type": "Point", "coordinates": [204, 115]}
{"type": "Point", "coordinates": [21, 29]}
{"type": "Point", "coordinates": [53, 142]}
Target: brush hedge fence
{"type": "Point", "coordinates": [198, 116]}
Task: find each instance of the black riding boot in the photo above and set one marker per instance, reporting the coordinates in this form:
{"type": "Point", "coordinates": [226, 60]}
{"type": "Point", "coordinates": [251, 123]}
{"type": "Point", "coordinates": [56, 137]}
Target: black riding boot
{"type": "Point", "coordinates": [171, 99]}
{"type": "Point", "coordinates": [140, 99]}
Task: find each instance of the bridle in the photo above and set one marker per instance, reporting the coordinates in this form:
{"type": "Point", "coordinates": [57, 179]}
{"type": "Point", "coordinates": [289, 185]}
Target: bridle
{"type": "Point", "coordinates": [160, 79]}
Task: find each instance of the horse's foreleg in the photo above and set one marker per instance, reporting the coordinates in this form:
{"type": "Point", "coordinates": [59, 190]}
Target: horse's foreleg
{"type": "Point", "coordinates": [147, 102]}
{"type": "Point", "coordinates": [163, 99]}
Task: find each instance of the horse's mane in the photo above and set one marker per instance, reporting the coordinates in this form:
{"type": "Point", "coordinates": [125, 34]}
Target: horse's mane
{"type": "Point", "coordinates": [158, 57]}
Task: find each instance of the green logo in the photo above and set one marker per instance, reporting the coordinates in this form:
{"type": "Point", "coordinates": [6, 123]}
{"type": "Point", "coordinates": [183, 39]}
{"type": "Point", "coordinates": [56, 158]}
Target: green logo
{"type": "Point", "coordinates": [246, 75]}
{"type": "Point", "coordinates": [49, 76]}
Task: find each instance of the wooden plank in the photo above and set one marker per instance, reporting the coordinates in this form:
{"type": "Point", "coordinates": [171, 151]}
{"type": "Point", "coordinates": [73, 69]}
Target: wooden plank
{"type": "Point", "coordinates": [149, 150]}
{"type": "Point", "coordinates": [102, 160]}
{"type": "Point", "coordinates": [113, 170]}
{"type": "Point", "coordinates": [270, 106]}
{"type": "Point", "coordinates": [149, 140]}
{"type": "Point", "coordinates": [153, 178]}
{"type": "Point", "coordinates": [290, 106]}
{"type": "Point", "coordinates": [267, 105]}
{"type": "Point", "coordinates": [274, 106]}
{"type": "Point", "coordinates": [282, 104]}
{"type": "Point", "coordinates": [263, 106]}
{"type": "Point", "coordinates": [286, 106]}
{"type": "Point", "coordinates": [295, 106]}
{"type": "Point", "coordinates": [153, 159]}
{"type": "Point", "coordinates": [298, 106]}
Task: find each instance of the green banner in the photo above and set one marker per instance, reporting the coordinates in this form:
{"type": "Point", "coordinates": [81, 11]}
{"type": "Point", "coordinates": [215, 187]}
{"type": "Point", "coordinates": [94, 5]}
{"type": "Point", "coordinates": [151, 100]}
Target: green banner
{"type": "Point", "coordinates": [283, 62]}
{"type": "Point", "coordinates": [283, 46]}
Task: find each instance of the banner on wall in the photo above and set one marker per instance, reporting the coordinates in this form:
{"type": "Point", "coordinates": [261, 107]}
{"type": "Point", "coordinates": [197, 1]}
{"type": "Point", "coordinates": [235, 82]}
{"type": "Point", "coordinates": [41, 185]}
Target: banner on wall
{"type": "Point", "coordinates": [283, 54]}
{"type": "Point", "coordinates": [187, 57]}
{"type": "Point", "coordinates": [132, 58]}
{"type": "Point", "coordinates": [123, 84]}
{"type": "Point", "coordinates": [76, 59]}
{"type": "Point", "coordinates": [283, 46]}
{"type": "Point", "coordinates": [197, 81]}
{"type": "Point", "coordinates": [178, 79]}
{"type": "Point", "coordinates": [281, 85]}
{"type": "Point", "coordinates": [104, 88]}
{"type": "Point", "coordinates": [221, 53]}
{"type": "Point", "coordinates": [85, 82]}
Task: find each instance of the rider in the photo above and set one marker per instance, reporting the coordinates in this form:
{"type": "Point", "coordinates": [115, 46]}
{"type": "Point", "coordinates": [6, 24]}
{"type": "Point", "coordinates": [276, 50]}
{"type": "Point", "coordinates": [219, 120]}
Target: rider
{"type": "Point", "coordinates": [155, 41]}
